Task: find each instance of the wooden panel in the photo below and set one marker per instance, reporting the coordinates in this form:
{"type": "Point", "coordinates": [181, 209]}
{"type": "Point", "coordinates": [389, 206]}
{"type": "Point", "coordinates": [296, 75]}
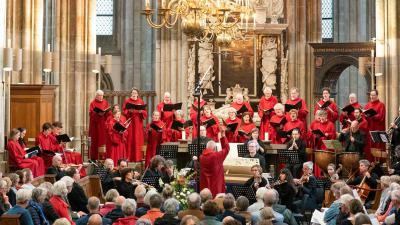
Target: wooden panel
{"type": "Point", "coordinates": [7, 219]}
{"type": "Point", "coordinates": [92, 186]}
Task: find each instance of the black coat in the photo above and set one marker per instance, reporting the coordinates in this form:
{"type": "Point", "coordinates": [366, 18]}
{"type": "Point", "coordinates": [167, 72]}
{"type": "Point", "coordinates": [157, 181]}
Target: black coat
{"type": "Point", "coordinates": [57, 171]}
{"type": "Point", "coordinates": [49, 212]}
{"type": "Point", "coordinates": [126, 189]}
{"type": "Point", "coordinates": [115, 214]}
{"type": "Point", "coordinates": [371, 182]}
{"type": "Point", "coordinates": [357, 145]}
{"type": "Point", "coordinates": [12, 197]}
{"type": "Point", "coordinates": [301, 144]}
{"type": "Point", "coordinates": [167, 220]}
{"type": "Point", "coordinates": [250, 183]}
{"type": "Point", "coordinates": [78, 199]}
{"type": "Point", "coordinates": [286, 194]}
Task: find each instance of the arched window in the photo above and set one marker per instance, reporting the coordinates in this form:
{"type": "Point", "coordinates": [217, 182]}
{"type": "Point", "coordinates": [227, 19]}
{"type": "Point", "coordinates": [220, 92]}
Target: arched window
{"type": "Point", "coordinates": [327, 20]}
{"type": "Point", "coordinates": [104, 17]}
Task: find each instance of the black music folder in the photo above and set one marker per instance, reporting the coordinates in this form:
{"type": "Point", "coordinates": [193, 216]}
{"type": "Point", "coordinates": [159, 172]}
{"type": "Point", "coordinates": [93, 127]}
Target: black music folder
{"type": "Point", "coordinates": [63, 138]}
{"type": "Point", "coordinates": [370, 112]}
{"type": "Point", "coordinates": [243, 133]}
{"type": "Point", "coordinates": [242, 109]}
{"type": "Point", "coordinates": [98, 110]}
{"type": "Point", "coordinates": [195, 107]}
{"type": "Point", "coordinates": [156, 128]}
{"type": "Point", "coordinates": [177, 125]}
{"type": "Point", "coordinates": [208, 123]}
{"type": "Point", "coordinates": [296, 106]}
{"type": "Point", "coordinates": [349, 109]}
{"type": "Point", "coordinates": [119, 127]}
{"type": "Point", "coordinates": [171, 107]}
{"type": "Point", "coordinates": [379, 136]}
{"type": "Point", "coordinates": [285, 134]}
{"type": "Point", "coordinates": [135, 106]}
{"type": "Point", "coordinates": [232, 126]}
{"type": "Point", "coordinates": [277, 122]}
{"type": "Point", "coordinates": [325, 105]}
{"type": "Point", "coordinates": [318, 132]}
{"type": "Point", "coordinates": [33, 151]}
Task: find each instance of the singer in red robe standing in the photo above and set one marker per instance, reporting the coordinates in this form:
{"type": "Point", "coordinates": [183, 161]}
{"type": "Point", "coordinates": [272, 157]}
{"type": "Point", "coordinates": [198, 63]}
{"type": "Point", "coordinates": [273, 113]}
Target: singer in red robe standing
{"type": "Point", "coordinates": [176, 135]}
{"type": "Point", "coordinates": [166, 116]}
{"type": "Point", "coordinates": [295, 99]}
{"type": "Point", "coordinates": [154, 131]}
{"type": "Point", "coordinates": [97, 124]}
{"type": "Point", "coordinates": [376, 122]}
{"type": "Point", "coordinates": [246, 126]}
{"type": "Point", "coordinates": [265, 110]}
{"type": "Point", "coordinates": [212, 169]}
{"type": "Point", "coordinates": [331, 109]}
{"type": "Point", "coordinates": [18, 157]}
{"type": "Point", "coordinates": [116, 147]}
{"type": "Point", "coordinates": [135, 131]}
{"type": "Point", "coordinates": [293, 123]}
{"type": "Point", "coordinates": [212, 131]}
{"type": "Point", "coordinates": [239, 103]}
{"type": "Point", "coordinates": [349, 116]}
{"type": "Point", "coordinates": [193, 114]}
{"type": "Point", "coordinates": [277, 123]}
{"type": "Point", "coordinates": [231, 135]}
{"type": "Point", "coordinates": [44, 141]}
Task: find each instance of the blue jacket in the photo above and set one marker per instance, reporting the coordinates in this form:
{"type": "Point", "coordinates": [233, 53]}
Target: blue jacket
{"type": "Point", "coordinates": [36, 211]}
{"type": "Point", "coordinates": [332, 213]}
{"type": "Point", "coordinates": [25, 218]}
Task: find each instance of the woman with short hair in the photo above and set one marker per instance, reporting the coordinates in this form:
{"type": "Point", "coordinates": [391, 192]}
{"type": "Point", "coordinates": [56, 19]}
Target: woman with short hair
{"type": "Point", "coordinates": [60, 192]}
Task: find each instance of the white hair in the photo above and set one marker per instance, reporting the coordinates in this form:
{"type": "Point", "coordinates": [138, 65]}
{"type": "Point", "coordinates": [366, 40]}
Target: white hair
{"type": "Point", "coordinates": [395, 195]}
{"type": "Point", "coordinates": [171, 206]}
{"type": "Point", "coordinates": [211, 145]}
{"type": "Point", "coordinates": [167, 94]}
{"type": "Point", "coordinates": [56, 157]}
{"type": "Point", "coordinates": [149, 193]}
{"type": "Point", "coordinates": [352, 95]}
{"type": "Point", "coordinates": [129, 207]}
{"type": "Point", "coordinates": [267, 89]}
{"type": "Point", "coordinates": [60, 188]}
{"type": "Point", "coordinates": [23, 195]}
{"type": "Point", "coordinates": [99, 92]}
{"type": "Point", "coordinates": [260, 193]}
{"type": "Point", "coordinates": [254, 142]}
{"type": "Point", "coordinates": [231, 109]}
{"type": "Point", "coordinates": [279, 106]}
{"type": "Point", "coordinates": [68, 181]}
{"type": "Point", "coordinates": [61, 221]}
{"type": "Point", "coordinates": [309, 165]}
{"type": "Point", "coordinates": [346, 198]}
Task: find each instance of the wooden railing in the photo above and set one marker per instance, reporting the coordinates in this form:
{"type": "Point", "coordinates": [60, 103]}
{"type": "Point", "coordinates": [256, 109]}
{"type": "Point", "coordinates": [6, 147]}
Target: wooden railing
{"type": "Point", "coordinates": [92, 186]}
{"type": "Point", "coordinates": [118, 97]}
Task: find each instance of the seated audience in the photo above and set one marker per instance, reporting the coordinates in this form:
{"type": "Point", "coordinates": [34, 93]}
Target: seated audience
{"type": "Point", "coordinates": [190, 220]}
{"type": "Point", "coordinates": [117, 212]}
{"type": "Point", "coordinates": [4, 201]}
{"type": "Point", "coordinates": [77, 197]}
{"type": "Point", "coordinates": [129, 210]}
{"type": "Point", "coordinates": [211, 210]}
{"type": "Point", "coordinates": [23, 198]}
{"type": "Point", "coordinates": [60, 192]}
{"type": "Point", "coordinates": [154, 212]}
{"type": "Point", "coordinates": [28, 179]}
{"type": "Point", "coordinates": [205, 195]}
{"type": "Point", "coordinates": [259, 204]}
{"type": "Point", "coordinates": [362, 219]}
{"type": "Point", "coordinates": [194, 202]}
{"type": "Point", "coordinates": [389, 203]}
{"type": "Point", "coordinates": [61, 221]}
{"type": "Point", "coordinates": [111, 198]}
{"type": "Point", "coordinates": [48, 208]}
{"type": "Point", "coordinates": [355, 206]}
{"type": "Point", "coordinates": [35, 206]}
{"type": "Point", "coordinates": [170, 217]}
{"type": "Point", "coordinates": [334, 209]}
{"type": "Point", "coordinates": [385, 184]}
{"type": "Point", "coordinates": [56, 168]}
{"type": "Point", "coordinates": [344, 208]}
{"type": "Point", "coordinates": [13, 189]}
{"type": "Point", "coordinates": [229, 205]}
{"type": "Point", "coordinates": [95, 219]}
{"type": "Point", "coordinates": [146, 200]}
{"type": "Point", "coordinates": [270, 198]}
{"type": "Point", "coordinates": [140, 192]}
{"type": "Point", "coordinates": [242, 204]}
{"type": "Point", "coordinates": [93, 206]}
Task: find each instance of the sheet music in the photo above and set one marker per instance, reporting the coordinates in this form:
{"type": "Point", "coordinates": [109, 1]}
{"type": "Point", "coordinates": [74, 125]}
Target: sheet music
{"type": "Point", "coordinates": [318, 217]}
{"type": "Point", "coordinates": [383, 137]}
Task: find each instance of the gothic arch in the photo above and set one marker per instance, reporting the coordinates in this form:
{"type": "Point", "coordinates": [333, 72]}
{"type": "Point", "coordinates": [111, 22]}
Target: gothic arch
{"type": "Point", "coordinates": [106, 83]}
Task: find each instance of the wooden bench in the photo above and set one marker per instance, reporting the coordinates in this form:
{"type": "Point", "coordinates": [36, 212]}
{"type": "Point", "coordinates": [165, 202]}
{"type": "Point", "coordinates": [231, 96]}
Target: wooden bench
{"type": "Point", "coordinates": [7, 219]}
{"type": "Point", "coordinates": [45, 178]}
{"type": "Point", "coordinates": [92, 186]}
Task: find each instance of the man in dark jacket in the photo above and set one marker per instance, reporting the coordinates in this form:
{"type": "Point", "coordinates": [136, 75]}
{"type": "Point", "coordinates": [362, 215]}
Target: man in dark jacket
{"type": "Point", "coordinates": [55, 168]}
{"type": "Point", "coordinates": [77, 197]}
{"type": "Point", "coordinates": [171, 207]}
{"type": "Point", "coordinates": [229, 205]}
{"type": "Point", "coordinates": [94, 208]}
{"type": "Point", "coordinates": [353, 139]}
{"type": "Point", "coordinates": [117, 212]}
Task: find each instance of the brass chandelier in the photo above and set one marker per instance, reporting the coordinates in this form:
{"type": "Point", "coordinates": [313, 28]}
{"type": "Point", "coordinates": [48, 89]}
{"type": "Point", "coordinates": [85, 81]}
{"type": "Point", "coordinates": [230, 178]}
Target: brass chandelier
{"type": "Point", "coordinates": [204, 20]}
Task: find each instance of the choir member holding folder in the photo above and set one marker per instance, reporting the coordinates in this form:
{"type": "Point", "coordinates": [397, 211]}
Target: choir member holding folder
{"type": "Point", "coordinates": [326, 104]}
{"type": "Point", "coordinates": [232, 125]}
{"type": "Point", "coordinates": [241, 106]}
{"type": "Point", "coordinates": [295, 102]}
{"type": "Point", "coordinates": [180, 126]}
{"type": "Point", "coordinates": [167, 108]}
{"type": "Point", "coordinates": [277, 123]}
{"type": "Point", "coordinates": [265, 110]}
{"type": "Point", "coordinates": [98, 110]}
{"type": "Point", "coordinates": [246, 126]}
{"type": "Point", "coordinates": [193, 114]}
{"type": "Point", "coordinates": [135, 109]}
{"type": "Point", "coordinates": [155, 135]}
{"type": "Point", "coordinates": [348, 110]}
{"type": "Point", "coordinates": [375, 114]}
{"type": "Point", "coordinates": [19, 158]}
{"type": "Point", "coordinates": [211, 123]}
{"type": "Point", "coordinates": [117, 132]}
{"type": "Point", "coordinates": [44, 141]}
{"type": "Point", "coordinates": [293, 123]}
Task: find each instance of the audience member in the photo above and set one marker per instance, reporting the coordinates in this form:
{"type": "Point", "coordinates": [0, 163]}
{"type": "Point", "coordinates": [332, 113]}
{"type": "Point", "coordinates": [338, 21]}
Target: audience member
{"type": "Point", "coordinates": [194, 203]}
{"type": "Point", "coordinates": [170, 217]}
{"type": "Point", "coordinates": [23, 198]}
{"type": "Point", "coordinates": [211, 210]}
{"type": "Point", "coordinates": [111, 198]}
{"type": "Point", "coordinates": [117, 212]}
{"type": "Point", "coordinates": [48, 208]}
{"type": "Point", "coordinates": [190, 220]}
{"type": "Point", "coordinates": [77, 197]}
{"type": "Point", "coordinates": [242, 204]}
{"type": "Point", "coordinates": [35, 206]}
{"type": "Point", "coordinates": [129, 210]}
{"type": "Point", "coordinates": [155, 205]}
{"type": "Point", "coordinates": [60, 192]}
{"type": "Point", "coordinates": [229, 205]}
{"type": "Point", "coordinates": [93, 206]}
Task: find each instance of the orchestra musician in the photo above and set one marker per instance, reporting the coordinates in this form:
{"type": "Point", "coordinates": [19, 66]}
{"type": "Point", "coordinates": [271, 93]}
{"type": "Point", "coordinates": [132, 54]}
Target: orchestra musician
{"type": "Point", "coordinates": [253, 148]}
{"type": "Point", "coordinates": [286, 189]}
{"type": "Point", "coordinates": [277, 122]}
{"type": "Point", "coordinates": [331, 108]}
{"type": "Point", "coordinates": [125, 186]}
{"type": "Point", "coordinates": [344, 115]}
{"type": "Point", "coordinates": [255, 136]}
{"type": "Point", "coordinates": [365, 177]}
{"type": "Point", "coordinates": [135, 138]}
{"type": "Point", "coordinates": [19, 158]}
{"type": "Point", "coordinates": [97, 129]}
{"type": "Point", "coordinates": [56, 168]}
{"type": "Point", "coordinates": [265, 110]}
{"type": "Point", "coordinates": [298, 144]}
{"type": "Point", "coordinates": [256, 181]}
{"type": "Point", "coordinates": [116, 148]}
{"type": "Point", "coordinates": [239, 103]}
{"type": "Point", "coordinates": [231, 135]}
{"type": "Point", "coordinates": [246, 126]}
{"type": "Point", "coordinates": [353, 138]}
{"type": "Point", "coordinates": [307, 186]}
{"type": "Point", "coordinates": [295, 99]}
{"type": "Point", "coordinates": [155, 135]}
{"type": "Point", "coordinates": [394, 129]}
{"type": "Point", "coordinates": [213, 130]}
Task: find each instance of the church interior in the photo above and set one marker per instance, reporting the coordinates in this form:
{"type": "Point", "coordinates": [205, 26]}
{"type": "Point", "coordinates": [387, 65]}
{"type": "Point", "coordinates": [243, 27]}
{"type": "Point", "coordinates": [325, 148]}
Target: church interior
{"type": "Point", "coordinates": [240, 97]}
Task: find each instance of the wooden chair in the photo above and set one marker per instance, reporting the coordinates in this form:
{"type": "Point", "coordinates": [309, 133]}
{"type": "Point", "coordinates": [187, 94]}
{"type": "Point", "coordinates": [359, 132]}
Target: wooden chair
{"type": "Point", "coordinates": [377, 198]}
{"type": "Point", "coordinates": [7, 219]}
{"type": "Point", "coordinates": [92, 186]}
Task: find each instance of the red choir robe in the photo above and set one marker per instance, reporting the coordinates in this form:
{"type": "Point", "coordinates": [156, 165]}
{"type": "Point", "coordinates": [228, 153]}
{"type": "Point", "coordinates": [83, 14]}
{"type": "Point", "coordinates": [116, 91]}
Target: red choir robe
{"type": "Point", "coordinates": [376, 123]}
{"type": "Point", "coordinates": [332, 116]}
{"type": "Point", "coordinates": [276, 123]}
{"type": "Point", "coordinates": [46, 143]}
{"type": "Point", "coordinates": [97, 127]}
{"type": "Point", "coordinates": [154, 139]}
{"type": "Point", "coordinates": [245, 127]}
{"type": "Point", "coordinates": [238, 106]}
{"type": "Point", "coordinates": [17, 158]}
{"type": "Point", "coordinates": [135, 131]}
{"type": "Point", "coordinates": [167, 117]}
{"type": "Point", "coordinates": [193, 115]}
{"type": "Point", "coordinates": [212, 169]}
{"type": "Point", "coordinates": [232, 135]}
{"type": "Point", "coordinates": [116, 147]}
{"type": "Point", "coordinates": [303, 111]}
{"type": "Point", "coordinates": [176, 135]}
{"type": "Point", "coordinates": [265, 104]}
{"type": "Point", "coordinates": [290, 125]}
{"type": "Point", "coordinates": [343, 118]}
{"type": "Point", "coordinates": [212, 131]}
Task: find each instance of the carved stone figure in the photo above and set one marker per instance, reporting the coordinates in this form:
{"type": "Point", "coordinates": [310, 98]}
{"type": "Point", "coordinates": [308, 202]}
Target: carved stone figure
{"type": "Point", "coordinates": [269, 62]}
{"type": "Point", "coordinates": [284, 77]}
{"type": "Point", "coordinates": [233, 91]}
{"type": "Point", "coordinates": [191, 76]}
{"type": "Point", "coordinates": [275, 10]}
{"type": "Point", "coordinates": [206, 64]}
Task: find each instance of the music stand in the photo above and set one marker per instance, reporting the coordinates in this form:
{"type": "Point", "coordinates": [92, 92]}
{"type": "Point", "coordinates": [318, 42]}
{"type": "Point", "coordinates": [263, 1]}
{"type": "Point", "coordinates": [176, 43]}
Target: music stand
{"type": "Point", "coordinates": [288, 156]}
{"type": "Point", "coordinates": [247, 191]}
{"type": "Point", "coordinates": [379, 136]}
{"type": "Point", "coordinates": [242, 150]}
{"type": "Point", "coordinates": [152, 181]}
{"type": "Point", "coordinates": [168, 151]}
{"type": "Point", "coordinates": [192, 148]}
{"type": "Point", "coordinates": [324, 183]}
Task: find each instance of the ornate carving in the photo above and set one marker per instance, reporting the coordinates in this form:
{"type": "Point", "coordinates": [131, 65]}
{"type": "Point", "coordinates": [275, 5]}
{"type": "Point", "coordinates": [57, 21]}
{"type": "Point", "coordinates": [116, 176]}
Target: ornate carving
{"type": "Point", "coordinates": [206, 60]}
{"type": "Point", "coordinates": [284, 77]}
{"type": "Point", "coordinates": [191, 76]}
{"type": "Point", "coordinates": [269, 62]}
{"type": "Point", "coordinates": [275, 10]}
{"type": "Point", "coordinates": [233, 91]}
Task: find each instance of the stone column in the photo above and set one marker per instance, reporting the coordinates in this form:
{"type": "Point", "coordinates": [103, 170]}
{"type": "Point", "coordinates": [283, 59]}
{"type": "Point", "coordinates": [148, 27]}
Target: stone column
{"type": "Point", "coordinates": [3, 11]}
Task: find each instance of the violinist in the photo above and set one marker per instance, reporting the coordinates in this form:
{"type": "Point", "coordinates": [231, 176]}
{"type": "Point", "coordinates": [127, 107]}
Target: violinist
{"type": "Point", "coordinates": [299, 145]}
{"type": "Point", "coordinates": [125, 186]}
{"type": "Point", "coordinates": [257, 180]}
{"type": "Point", "coordinates": [286, 188]}
{"type": "Point", "coordinates": [365, 180]}
{"type": "Point", "coordinates": [106, 175]}
{"type": "Point", "coordinates": [307, 187]}
{"type": "Point", "coordinates": [56, 168]}
{"type": "Point", "coordinates": [122, 164]}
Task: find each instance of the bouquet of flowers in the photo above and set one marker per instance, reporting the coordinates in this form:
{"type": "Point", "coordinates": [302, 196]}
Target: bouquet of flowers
{"type": "Point", "coordinates": [183, 186]}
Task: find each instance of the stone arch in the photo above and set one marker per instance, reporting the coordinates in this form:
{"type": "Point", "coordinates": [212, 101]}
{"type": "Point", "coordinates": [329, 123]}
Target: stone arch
{"type": "Point", "coordinates": [106, 83]}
